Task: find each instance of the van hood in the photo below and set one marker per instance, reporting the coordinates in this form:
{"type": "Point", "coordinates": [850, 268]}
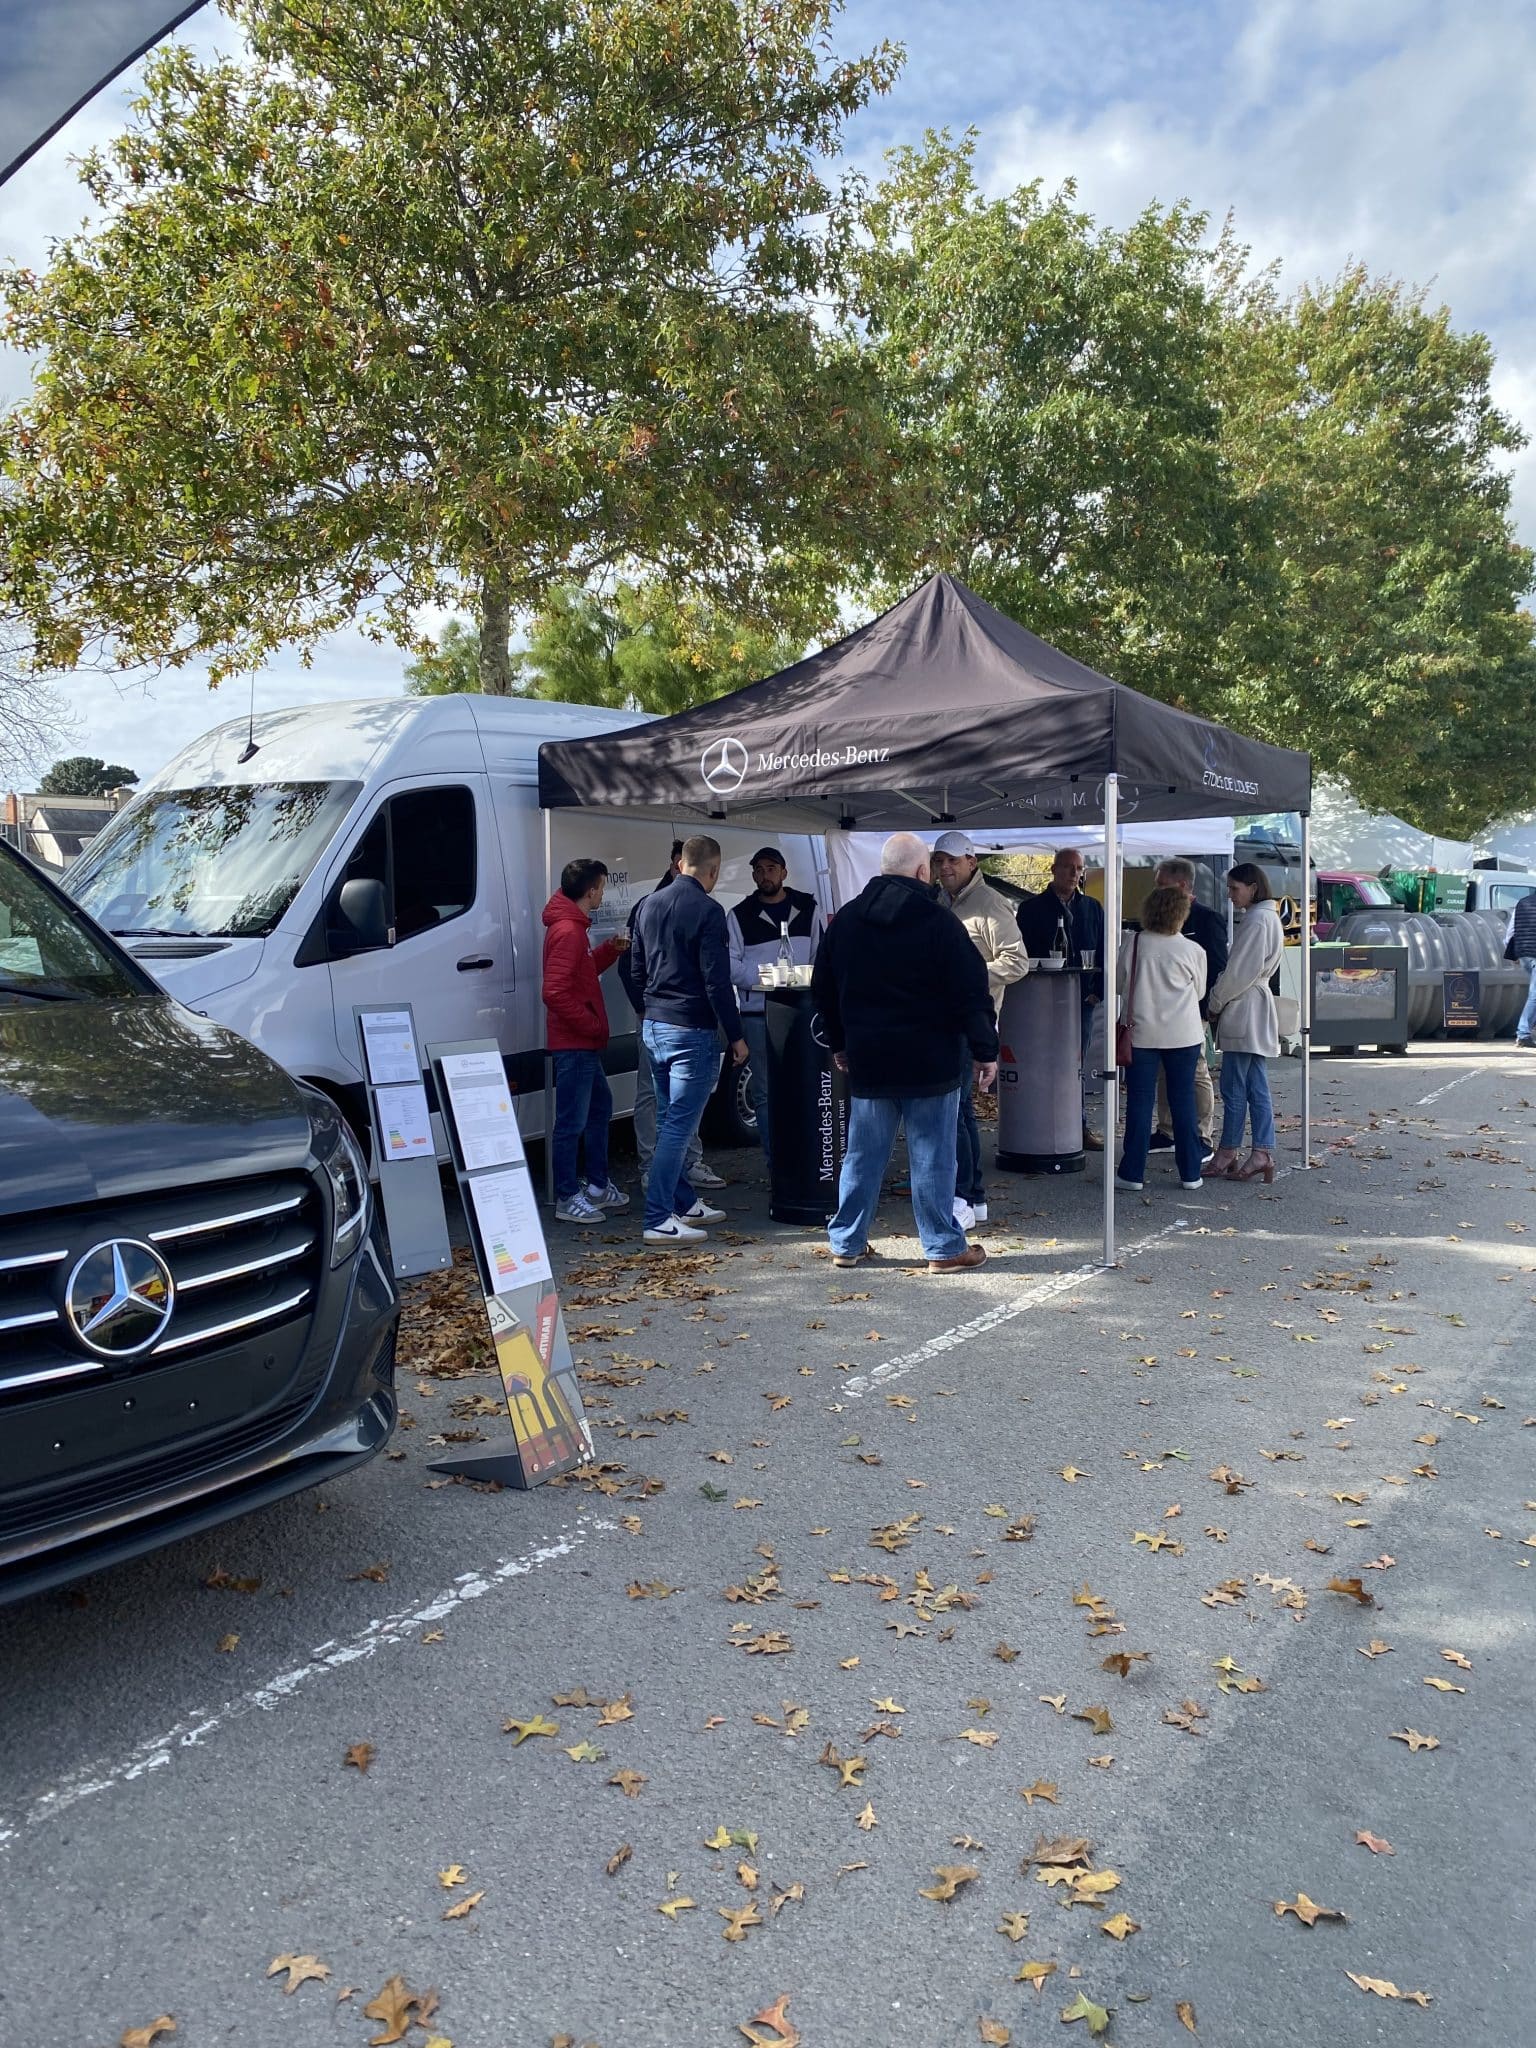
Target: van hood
{"type": "Point", "coordinates": [193, 968]}
{"type": "Point", "coordinates": [103, 1100]}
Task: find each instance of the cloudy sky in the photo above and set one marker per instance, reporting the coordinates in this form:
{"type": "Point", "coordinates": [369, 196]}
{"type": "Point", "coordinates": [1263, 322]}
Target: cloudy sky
{"type": "Point", "coordinates": [1400, 135]}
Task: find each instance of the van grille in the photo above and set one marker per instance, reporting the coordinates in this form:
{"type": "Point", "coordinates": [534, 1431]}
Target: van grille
{"type": "Point", "coordinates": [243, 1256]}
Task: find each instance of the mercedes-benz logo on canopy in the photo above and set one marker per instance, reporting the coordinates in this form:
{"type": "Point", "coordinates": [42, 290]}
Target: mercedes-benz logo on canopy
{"type": "Point", "coordinates": [119, 1298]}
{"type": "Point", "coordinates": [723, 765]}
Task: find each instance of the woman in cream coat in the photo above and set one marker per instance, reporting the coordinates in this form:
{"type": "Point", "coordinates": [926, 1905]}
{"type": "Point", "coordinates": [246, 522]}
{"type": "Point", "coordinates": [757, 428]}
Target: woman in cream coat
{"type": "Point", "coordinates": [1162, 978]}
{"type": "Point", "coordinates": [1242, 1009]}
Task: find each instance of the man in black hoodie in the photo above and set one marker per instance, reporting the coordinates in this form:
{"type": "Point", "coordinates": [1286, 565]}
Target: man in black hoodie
{"type": "Point", "coordinates": [906, 1010]}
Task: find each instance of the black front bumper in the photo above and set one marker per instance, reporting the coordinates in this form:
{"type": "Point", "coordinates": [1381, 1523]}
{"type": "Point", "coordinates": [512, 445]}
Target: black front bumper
{"type": "Point", "coordinates": [84, 1485]}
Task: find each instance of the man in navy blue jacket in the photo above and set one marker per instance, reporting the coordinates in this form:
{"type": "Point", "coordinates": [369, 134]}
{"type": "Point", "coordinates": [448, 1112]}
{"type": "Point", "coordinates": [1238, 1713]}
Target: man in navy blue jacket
{"type": "Point", "coordinates": [680, 961]}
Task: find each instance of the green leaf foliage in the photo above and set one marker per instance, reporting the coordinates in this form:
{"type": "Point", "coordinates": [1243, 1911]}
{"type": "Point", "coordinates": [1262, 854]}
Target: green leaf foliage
{"type": "Point", "coordinates": [420, 304]}
{"type": "Point", "coordinates": [1288, 514]}
{"type": "Point", "coordinates": [84, 775]}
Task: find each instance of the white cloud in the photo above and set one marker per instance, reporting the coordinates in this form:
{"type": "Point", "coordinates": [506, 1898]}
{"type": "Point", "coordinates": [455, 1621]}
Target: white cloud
{"type": "Point", "coordinates": [1398, 138]}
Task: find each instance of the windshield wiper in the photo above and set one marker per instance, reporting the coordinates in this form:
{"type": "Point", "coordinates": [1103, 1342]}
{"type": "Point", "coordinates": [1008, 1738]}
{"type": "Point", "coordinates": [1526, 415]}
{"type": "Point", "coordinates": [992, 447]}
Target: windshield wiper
{"type": "Point", "coordinates": [152, 931]}
{"type": "Point", "coordinates": [42, 992]}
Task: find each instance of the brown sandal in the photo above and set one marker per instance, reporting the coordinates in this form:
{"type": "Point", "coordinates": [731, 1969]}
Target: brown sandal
{"type": "Point", "coordinates": [1257, 1166]}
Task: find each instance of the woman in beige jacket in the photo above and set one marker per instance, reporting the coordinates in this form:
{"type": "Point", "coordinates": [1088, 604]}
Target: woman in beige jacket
{"type": "Point", "coordinates": [1242, 1009]}
{"type": "Point", "coordinates": [1162, 975]}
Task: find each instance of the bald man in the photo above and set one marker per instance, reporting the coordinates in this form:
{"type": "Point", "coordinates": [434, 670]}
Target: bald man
{"type": "Point", "coordinates": [905, 1006]}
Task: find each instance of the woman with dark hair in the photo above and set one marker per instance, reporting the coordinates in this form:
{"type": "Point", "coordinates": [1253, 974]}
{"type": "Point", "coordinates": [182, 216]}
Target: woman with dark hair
{"type": "Point", "coordinates": [1163, 976]}
{"type": "Point", "coordinates": [1242, 1009]}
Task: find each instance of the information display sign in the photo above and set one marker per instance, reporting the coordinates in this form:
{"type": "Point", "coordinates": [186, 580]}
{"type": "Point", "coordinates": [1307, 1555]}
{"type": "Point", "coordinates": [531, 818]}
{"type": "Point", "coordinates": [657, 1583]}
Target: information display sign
{"type": "Point", "coordinates": [404, 1149]}
{"type": "Point", "coordinates": [522, 1304]}
{"type": "Point", "coordinates": [1462, 1001]}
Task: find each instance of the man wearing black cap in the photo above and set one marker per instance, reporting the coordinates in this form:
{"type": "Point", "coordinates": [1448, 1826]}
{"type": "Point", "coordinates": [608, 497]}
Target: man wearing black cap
{"type": "Point", "coordinates": [773, 923]}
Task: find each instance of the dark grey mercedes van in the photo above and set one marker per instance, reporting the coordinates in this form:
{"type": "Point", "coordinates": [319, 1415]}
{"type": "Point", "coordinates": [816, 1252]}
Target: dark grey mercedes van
{"type": "Point", "coordinates": [195, 1314]}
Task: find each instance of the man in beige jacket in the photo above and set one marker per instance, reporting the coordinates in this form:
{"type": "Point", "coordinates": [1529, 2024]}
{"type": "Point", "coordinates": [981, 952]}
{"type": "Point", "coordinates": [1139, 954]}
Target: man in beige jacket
{"type": "Point", "coordinates": [993, 929]}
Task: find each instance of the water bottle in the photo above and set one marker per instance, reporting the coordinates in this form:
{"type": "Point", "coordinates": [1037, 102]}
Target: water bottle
{"type": "Point", "coordinates": [784, 969]}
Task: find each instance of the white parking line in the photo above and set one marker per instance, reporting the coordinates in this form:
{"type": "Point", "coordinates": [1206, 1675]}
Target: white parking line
{"type": "Point", "coordinates": [1445, 1088]}
{"type": "Point", "coordinates": [990, 1319]}
{"type": "Point", "coordinates": [198, 1729]}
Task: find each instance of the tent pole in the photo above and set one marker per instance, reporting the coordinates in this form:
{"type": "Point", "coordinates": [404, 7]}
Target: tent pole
{"type": "Point", "coordinates": [549, 1064]}
{"type": "Point", "coordinates": [1306, 990]}
{"type": "Point", "coordinates": [1106, 1038]}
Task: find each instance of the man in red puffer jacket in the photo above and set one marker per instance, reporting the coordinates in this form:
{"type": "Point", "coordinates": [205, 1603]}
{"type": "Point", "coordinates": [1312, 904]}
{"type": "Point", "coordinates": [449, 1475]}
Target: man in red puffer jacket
{"type": "Point", "coordinates": [577, 1035]}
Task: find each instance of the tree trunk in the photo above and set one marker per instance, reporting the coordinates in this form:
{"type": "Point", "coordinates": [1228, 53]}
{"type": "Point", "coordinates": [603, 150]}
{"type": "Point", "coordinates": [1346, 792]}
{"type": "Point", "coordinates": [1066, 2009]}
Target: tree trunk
{"type": "Point", "coordinates": [495, 635]}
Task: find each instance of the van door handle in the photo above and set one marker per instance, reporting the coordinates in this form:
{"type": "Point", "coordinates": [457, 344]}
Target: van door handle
{"type": "Point", "coordinates": [472, 961]}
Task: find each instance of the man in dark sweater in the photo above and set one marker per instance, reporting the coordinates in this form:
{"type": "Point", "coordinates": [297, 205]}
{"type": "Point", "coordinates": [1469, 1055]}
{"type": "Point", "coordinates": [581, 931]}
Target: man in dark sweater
{"type": "Point", "coordinates": [680, 960]}
{"type": "Point", "coordinates": [1208, 929]}
{"type": "Point", "coordinates": [905, 1005]}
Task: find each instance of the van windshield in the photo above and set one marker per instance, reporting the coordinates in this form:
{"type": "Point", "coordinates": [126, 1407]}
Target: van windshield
{"type": "Point", "coordinates": [211, 863]}
{"type": "Point", "coordinates": [48, 954]}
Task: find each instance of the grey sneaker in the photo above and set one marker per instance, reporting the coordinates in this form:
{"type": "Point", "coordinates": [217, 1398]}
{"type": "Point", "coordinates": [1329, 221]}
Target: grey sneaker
{"type": "Point", "coordinates": [579, 1210]}
{"type": "Point", "coordinates": [704, 1176]}
{"type": "Point", "coordinates": [610, 1197]}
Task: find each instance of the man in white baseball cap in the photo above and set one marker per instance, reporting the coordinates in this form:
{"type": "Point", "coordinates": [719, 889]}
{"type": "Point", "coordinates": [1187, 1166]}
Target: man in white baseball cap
{"type": "Point", "coordinates": [993, 930]}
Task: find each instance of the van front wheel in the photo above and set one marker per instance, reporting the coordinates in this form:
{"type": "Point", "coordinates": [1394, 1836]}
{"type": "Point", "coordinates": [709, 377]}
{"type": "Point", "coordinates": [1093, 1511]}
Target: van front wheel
{"type": "Point", "coordinates": [730, 1118]}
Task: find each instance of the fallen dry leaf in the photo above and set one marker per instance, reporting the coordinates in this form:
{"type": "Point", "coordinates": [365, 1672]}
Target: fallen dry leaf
{"type": "Point", "coordinates": [1098, 1719]}
{"type": "Point", "coordinates": [301, 1970]}
{"type": "Point", "coordinates": [1455, 1657]}
{"type": "Point", "coordinates": [1376, 1648]}
{"type": "Point", "coordinates": [951, 1877]}
{"type": "Point", "coordinates": [228, 1643]}
{"type": "Point", "coordinates": [360, 1756]}
{"type": "Point", "coordinates": [866, 1819]}
{"type": "Point", "coordinates": [785, 2034]}
{"type": "Point", "coordinates": [1375, 1843]}
{"type": "Point", "coordinates": [521, 1730]}
{"type": "Point", "coordinates": [397, 2005]}
{"type": "Point", "coordinates": [1120, 1661]}
{"type": "Point", "coordinates": [672, 1907]}
{"type": "Point", "coordinates": [1034, 1973]}
{"type": "Point", "coordinates": [617, 1860]}
{"type": "Point", "coordinates": [628, 1782]}
{"type": "Point", "coordinates": [465, 1906]}
{"type": "Point", "coordinates": [1414, 1739]}
{"type": "Point", "coordinates": [982, 1738]}
{"type": "Point", "coordinates": [1384, 1988]}
{"type": "Point", "coordinates": [1353, 1589]}
{"type": "Point", "coordinates": [454, 1875]}
{"type": "Point", "coordinates": [1184, 2012]}
{"type": "Point", "coordinates": [1042, 1788]}
{"type": "Point", "coordinates": [738, 1919]}
{"type": "Point", "coordinates": [1120, 1926]}
{"type": "Point", "coordinates": [1083, 2008]}
{"type": "Point", "coordinates": [144, 2037]}
{"type": "Point", "coordinates": [1307, 1911]}
{"type": "Point", "coordinates": [993, 2032]}
{"type": "Point", "coordinates": [1444, 1685]}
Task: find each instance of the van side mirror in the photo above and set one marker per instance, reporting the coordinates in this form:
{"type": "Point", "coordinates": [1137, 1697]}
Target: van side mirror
{"type": "Point", "coordinates": [361, 921]}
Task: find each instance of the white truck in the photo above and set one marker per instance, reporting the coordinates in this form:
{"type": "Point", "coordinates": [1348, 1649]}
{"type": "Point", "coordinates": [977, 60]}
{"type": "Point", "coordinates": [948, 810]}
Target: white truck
{"type": "Point", "coordinates": [278, 873]}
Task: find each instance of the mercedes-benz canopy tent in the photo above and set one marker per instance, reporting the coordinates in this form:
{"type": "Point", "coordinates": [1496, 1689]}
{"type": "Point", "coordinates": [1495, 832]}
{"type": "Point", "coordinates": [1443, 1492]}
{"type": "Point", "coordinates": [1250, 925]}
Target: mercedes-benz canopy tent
{"type": "Point", "coordinates": [942, 712]}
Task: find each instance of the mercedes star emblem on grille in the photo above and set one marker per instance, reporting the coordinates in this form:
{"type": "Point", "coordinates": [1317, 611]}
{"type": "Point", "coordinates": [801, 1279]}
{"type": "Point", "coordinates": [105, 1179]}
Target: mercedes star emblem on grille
{"type": "Point", "coordinates": [119, 1298]}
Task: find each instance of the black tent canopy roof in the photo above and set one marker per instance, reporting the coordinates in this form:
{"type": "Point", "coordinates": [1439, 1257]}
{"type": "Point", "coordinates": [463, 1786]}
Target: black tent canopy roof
{"type": "Point", "coordinates": [941, 710]}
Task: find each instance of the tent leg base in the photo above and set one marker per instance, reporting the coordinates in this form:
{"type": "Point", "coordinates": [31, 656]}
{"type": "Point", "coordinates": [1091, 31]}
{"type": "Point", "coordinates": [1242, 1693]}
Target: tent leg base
{"type": "Point", "coordinates": [493, 1468]}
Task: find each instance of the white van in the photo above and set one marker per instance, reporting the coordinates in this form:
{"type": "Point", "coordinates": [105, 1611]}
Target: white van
{"type": "Point", "coordinates": [275, 875]}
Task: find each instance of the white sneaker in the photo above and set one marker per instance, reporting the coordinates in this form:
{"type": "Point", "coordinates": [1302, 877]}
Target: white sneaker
{"type": "Point", "coordinates": [675, 1231]}
{"type": "Point", "coordinates": [965, 1215]}
{"type": "Point", "coordinates": [704, 1176]}
{"type": "Point", "coordinates": [1194, 1186]}
{"type": "Point", "coordinates": [578, 1210]}
{"type": "Point", "coordinates": [979, 1212]}
{"type": "Point", "coordinates": [701, 1212]}
{"type": "Point", "coordinates": [1133, 1185]}
{"type": "Point", "coordinates": [610, 1197]}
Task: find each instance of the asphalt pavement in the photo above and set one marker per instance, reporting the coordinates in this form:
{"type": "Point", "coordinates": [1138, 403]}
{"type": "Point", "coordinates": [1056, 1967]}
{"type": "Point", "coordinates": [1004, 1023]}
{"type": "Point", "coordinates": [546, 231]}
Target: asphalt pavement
{"type": "Point", "coordinates": [870, 1555]}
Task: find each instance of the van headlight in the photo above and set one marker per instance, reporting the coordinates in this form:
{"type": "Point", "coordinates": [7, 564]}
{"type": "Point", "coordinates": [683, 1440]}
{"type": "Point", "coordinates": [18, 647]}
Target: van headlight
{"type": "Point", "coordinates": [346, 1169]}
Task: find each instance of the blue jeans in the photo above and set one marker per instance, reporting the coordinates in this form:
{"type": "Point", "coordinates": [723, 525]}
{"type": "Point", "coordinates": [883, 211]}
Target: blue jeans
{"type": "Point", "coordinates": [969, 1185]}
{"type": "Point", "coordinates": [685, 1065]}
{"type": "Point", "coordinates": [1528, 1015]}
{"type": "Point", "coordinates": [872, 1123]}
{"type": "Point", "coordinates": [1245, 1095]}
{"type": "Point", "coordinates": [583, 1104]}
{"type": "Point", "coordinates": [754, 1029]}
{"type": "Point", "coordinates": [1178, 1063]}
